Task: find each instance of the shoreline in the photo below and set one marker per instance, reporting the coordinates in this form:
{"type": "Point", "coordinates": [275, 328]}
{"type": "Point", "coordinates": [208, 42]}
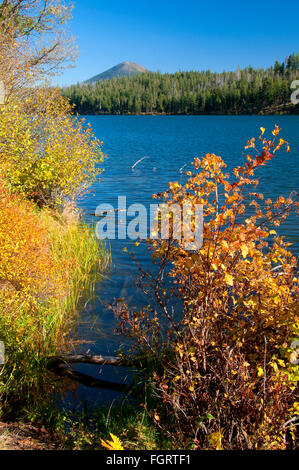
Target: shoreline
{"type": "Point", "coordinates": [175, 114]}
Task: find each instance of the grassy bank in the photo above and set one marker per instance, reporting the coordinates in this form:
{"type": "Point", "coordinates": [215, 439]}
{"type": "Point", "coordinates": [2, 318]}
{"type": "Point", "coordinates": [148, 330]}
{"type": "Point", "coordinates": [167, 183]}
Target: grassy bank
{"type": "Point", "coordinates": [49, 262]}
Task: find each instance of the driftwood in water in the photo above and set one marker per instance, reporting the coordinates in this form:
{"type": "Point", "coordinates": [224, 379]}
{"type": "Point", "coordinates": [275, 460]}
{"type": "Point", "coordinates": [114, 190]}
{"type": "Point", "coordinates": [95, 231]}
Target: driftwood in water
{"type": "Point", "coordinates": [58, 365]}
{"type": "Point", "coordinates": [86, 359]}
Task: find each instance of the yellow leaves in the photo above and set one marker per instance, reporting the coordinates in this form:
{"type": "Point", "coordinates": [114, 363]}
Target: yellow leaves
{"type": "Point", "coordinates": [229, 279]}
{"type": "Point", "coordinates": [231, 199]}
{"type": "Point", "coordinates": [274, 366]}
{"type": "Point", "coordinates": [262, 130]}
{"type": "Point", "coordinates": [174, 186]}
{"type": "Point", "coordinates": [50, 154]}
{"type": "Point", "coordinates": [179, 349]}
{"type": "Point", "coordinates": [244, 250]}
{"type": "Point", "coordinates": [224, 244]}
{"type": "Point", "coordinates": [280, 144]}
{"type": "Point", "coordinates": [114, 444]}
{"type": "Point", "coordinates": [215, 439]}
{"type": "Point", "coordinates": [276, 131]}
{"type": "Point", "coordinates": [250, 143]}
{"type": "Point", "coordinates": [276, 299]}
{"type": "Point", "coordinates": [228, 213]}
{"type": "Point", "coordinates": [250, 304]}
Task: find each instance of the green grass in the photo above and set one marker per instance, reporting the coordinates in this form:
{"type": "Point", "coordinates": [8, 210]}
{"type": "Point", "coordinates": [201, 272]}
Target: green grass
{"type": "Point", "coordinates": [85, 429]}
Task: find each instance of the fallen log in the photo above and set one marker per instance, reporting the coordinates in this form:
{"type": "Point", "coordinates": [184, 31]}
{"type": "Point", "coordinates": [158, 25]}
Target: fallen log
{"type": "Point", "coordinates": [86, 359]}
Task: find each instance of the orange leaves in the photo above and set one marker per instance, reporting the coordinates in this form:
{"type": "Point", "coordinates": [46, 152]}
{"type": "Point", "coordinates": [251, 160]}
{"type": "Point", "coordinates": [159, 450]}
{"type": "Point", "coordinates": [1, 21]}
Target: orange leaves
{"type": "Point", "coordinates": [280, 144]}
{"type": "Point", "coordinates": [227, 186]}
{"type": "Point", "coordinates": [232, 255]}
{"type": "Point", "coordinates": [263, 155]}
{"type": "Point", "coordinates": [250, 144]}
{"type": "Point", "coordinates": [174, 186]}
{"type": "Point", "coordinates": [233, 198]}
{"type": "Point", "coordinates": [25, 259]}
{"type": "Point", "coordinates": [276, 131]}
{"type": "Point", "coordinates": [238, 299]}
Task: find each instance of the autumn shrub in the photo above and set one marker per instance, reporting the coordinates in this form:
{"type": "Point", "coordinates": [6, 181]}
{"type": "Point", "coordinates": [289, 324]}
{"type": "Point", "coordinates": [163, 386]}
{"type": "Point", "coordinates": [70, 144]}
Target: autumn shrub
{"type": "Point", "coordinates": [27, 270]}
{"type": "Point", "coordinates": [225, 316]}
{"type": "Point", "coordinates": [46, 154]}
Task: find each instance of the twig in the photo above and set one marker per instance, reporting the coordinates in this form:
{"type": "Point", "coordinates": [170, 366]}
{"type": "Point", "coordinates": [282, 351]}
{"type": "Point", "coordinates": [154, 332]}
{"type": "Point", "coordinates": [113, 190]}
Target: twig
{"type": "Point", "coordinates": [139, 161]}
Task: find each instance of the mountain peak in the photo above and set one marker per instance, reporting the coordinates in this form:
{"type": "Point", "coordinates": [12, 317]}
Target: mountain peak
{"type": "Point", "coordinates": [124, 69]}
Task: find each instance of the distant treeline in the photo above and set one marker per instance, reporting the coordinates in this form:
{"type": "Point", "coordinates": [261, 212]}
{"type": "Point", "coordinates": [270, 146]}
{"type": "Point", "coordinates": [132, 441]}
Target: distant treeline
{"type": "Point", "coordinates": [247, 91]}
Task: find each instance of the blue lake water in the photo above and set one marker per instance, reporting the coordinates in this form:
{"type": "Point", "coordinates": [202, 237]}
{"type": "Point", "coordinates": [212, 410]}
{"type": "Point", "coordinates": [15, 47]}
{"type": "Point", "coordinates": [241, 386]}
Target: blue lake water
{"type": "Point", "coordinates": [170, 142]}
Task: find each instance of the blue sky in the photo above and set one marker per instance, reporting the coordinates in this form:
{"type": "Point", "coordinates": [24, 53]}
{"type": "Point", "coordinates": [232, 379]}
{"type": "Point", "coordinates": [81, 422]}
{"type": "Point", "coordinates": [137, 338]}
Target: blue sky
{"type": "Point", "coordinates": [171, 35]}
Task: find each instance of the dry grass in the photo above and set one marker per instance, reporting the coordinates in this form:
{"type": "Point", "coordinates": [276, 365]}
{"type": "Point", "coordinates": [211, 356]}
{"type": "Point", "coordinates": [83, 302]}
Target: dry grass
{"type": "Point", "coordinates": [25, 437]}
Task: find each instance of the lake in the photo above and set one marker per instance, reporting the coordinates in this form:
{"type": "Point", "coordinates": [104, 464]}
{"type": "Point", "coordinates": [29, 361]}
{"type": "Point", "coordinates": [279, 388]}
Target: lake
{"type": "Point", "coordinates": [169, 142]}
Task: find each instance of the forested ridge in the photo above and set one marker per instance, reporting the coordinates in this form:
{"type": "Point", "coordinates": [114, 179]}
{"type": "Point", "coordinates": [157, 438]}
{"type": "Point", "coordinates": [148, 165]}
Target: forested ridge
{"type": "Point", "coordinates": [246, 91]}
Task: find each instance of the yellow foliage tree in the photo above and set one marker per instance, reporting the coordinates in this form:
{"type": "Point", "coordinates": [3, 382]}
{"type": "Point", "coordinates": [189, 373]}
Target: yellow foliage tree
{"type": "Point", "coordinates": [45, 153]}
{"type": "Point", "coordinates": [34, 42]}
{"type": "Point", "coordinates": [48, 158]}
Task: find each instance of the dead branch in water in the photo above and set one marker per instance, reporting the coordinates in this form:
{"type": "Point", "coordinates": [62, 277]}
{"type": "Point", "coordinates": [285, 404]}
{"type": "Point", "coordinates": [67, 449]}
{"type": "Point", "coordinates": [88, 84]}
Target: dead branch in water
{"type": "Point", "coordinates": [86, 359]}
{"type": "Point", "coordinates": [58, 365]}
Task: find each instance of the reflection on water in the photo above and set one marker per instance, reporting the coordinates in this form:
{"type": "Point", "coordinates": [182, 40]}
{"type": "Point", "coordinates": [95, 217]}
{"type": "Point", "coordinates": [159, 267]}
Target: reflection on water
{"type": "Point", "coordinates": [170, 143]}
